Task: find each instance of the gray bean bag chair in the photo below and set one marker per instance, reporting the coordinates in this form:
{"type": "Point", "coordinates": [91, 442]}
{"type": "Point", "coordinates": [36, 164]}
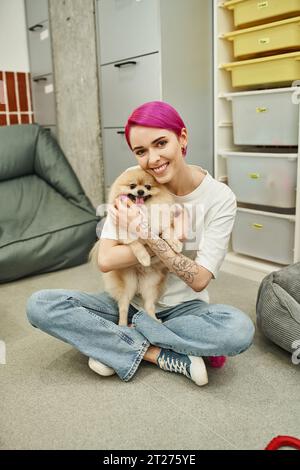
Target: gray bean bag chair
{"type": "Point", "coordinates": [278, 307]}
{"type": "Point", "coordinates": [46, 220]}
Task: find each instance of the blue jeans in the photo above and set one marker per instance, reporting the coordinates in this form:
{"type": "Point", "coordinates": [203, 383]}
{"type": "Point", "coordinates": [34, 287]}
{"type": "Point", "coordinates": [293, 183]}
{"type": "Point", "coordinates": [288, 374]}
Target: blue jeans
{"type": "Point", "coordinates": [89, 322]}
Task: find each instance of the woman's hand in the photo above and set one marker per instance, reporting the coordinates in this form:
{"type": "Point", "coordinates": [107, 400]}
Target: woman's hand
{"type": "Point", "coordinates": [181, 223]}
{"type": "Point", "coordinates": [130, 219]}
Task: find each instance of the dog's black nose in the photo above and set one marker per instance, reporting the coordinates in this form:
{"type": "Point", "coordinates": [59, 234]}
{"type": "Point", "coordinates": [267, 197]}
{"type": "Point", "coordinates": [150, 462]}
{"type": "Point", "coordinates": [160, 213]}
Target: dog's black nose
{"type": "Point", "coordinates": [141, 192]}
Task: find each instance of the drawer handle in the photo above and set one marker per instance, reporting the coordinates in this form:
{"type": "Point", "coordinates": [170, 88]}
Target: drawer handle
{"type": "Point", "coordinates": [40, 79]}
{"type": "Point", "coordinates": [264, 41]}
{"type": "Point", "coordinates": [258, 226]}
{"type": "Point", "coordinates": [254, 176]}
{"type": "Point", "coordinates": [261, 110]}
{"type": "Point", "coordinates": [262, 4]}
{"type": "Point", "coordinates": [36, 27]}
{"type": "Point", "coordinates": [129, 62]}
{"type": "Point", "coordinates": [120, 132]}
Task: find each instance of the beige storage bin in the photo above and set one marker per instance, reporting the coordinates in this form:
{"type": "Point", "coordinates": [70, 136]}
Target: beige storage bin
{"type": "Point", "coordinates": [266, 39]}
{"type": "Point", "coordinates": [251, 12]}
{"type": "Point", "coordinates": [276, 70]}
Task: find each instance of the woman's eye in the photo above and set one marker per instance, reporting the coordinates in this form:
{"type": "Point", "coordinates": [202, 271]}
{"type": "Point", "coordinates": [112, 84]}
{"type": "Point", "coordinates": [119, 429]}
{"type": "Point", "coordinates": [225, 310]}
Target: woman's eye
{"type": "Point", "coordinates": [139, 153]}
{"type": "Point", "coordinates": [148, 186]}
{"type": "Point", "coordinates": [132, 186]}
{"type": "Point", "coordinates": [163, 142]}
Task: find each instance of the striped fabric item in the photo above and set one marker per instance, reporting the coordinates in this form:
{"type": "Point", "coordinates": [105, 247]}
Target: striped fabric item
{"type": "Point", "coordinates": [278, 307]}
{"type": "Point", "coordinates": [15, 98]}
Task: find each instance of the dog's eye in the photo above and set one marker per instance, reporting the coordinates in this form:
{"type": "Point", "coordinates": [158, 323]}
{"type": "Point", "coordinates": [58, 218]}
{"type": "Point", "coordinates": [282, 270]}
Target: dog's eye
{"type": "Point", "coordinates": [148, 186]}
{"type": "Point", "coordinates": [132, 186]}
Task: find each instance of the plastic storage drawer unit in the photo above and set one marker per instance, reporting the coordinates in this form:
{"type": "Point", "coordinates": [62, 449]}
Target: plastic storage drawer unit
{"type": "Point", "coordinates": [265, 39]}
{"type": "Point", "coordinates": [265, 117]}
{"type": "Point", "coordinates": [246, 12]}
{"type": "Point", "coordinates": [263, 178]}
{"type": "Point", "coordinates": [274, 70]}
{"type": "Point", "coordinates": [264, 235]}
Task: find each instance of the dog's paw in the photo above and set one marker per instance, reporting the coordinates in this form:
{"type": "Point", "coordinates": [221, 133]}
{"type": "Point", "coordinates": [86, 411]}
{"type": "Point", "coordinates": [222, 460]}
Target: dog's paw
{"type": "Point", "coordinates": [122, 323]}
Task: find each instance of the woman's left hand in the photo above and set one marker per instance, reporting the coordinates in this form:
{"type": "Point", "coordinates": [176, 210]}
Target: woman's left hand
{"type": "Point", "coordinates": [181, 223]}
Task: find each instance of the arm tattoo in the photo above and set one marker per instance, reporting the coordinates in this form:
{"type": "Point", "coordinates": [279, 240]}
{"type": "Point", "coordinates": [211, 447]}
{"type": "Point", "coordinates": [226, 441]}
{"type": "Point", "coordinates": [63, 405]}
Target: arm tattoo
{"type": "Point", "coordinates": [160, 245]}
{"type": "Point", "coordinates": [184, 267]}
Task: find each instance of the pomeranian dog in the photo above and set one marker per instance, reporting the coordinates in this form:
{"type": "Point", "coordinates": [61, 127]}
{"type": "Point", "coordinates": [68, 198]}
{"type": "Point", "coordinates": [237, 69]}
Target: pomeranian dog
{"type": "Point", "coordinates": [147, 278]}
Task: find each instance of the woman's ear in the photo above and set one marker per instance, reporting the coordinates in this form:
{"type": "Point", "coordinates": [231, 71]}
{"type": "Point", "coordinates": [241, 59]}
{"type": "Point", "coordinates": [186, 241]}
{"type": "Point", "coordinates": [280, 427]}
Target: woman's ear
{"type": "Point", "coordinates": [183, 137]}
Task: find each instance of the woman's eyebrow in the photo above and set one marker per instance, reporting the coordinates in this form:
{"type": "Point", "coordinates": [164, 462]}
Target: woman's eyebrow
{"type": "Point", "coordinates": [154, 141]}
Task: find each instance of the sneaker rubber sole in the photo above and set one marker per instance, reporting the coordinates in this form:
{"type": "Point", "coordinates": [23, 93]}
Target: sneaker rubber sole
{"type": "Point", "coordinates": [100, 368]}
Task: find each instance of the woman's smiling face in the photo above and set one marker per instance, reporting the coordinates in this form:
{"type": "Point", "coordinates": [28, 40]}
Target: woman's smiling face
{"type": "Point", "coordinates": [158, 151]}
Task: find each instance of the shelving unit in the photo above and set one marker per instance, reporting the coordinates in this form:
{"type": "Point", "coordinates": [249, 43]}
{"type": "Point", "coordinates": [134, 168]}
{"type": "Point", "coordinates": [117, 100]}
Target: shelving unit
{"type": "Point", "coordinates": [246, 266]}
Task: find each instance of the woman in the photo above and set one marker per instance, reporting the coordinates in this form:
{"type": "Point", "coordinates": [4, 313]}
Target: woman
{"type": "Point", "coordinates": [191, 328]}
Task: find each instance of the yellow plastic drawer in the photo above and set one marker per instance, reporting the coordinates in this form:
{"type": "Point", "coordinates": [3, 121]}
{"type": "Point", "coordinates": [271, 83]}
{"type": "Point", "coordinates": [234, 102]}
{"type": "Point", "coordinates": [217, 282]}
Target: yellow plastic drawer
{"type": "Point", "coordinates": [276, 70]}
{"type": "Point", "coordinates": [250, 12]}
{"type": "Point", "coordinates": [266, 39]}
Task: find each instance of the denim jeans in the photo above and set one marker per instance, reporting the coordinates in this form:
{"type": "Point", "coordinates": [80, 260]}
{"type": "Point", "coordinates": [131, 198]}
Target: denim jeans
{"type": "Point", "coordinates": [89, 322]}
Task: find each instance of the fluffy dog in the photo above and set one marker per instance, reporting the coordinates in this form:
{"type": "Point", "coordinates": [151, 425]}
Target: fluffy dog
{"type": "Point", "coordinates": [149, 276]}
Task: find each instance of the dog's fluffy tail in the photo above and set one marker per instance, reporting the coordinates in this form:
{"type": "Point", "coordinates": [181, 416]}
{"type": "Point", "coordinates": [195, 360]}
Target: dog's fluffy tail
{"type": "Point", "coordinates": [93, 254]}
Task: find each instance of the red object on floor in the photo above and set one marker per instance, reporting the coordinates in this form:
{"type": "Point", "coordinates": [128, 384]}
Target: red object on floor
{"type": "Point", "coordinates": [283, 441]}
{"type": "Point", "coordinates": [217, 361]}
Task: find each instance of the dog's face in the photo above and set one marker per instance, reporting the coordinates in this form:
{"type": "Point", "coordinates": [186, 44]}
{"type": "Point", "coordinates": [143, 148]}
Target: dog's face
{"type": "Point", "coordinates": [138, 185]}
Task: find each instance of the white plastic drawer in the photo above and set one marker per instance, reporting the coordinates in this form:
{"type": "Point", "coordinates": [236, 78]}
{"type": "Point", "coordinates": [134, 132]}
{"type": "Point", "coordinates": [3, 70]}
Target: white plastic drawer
{"type": "Point", "coordinates": [40, 50]}
{"type": "Point", "coordinates": [264, 235]}
{"type": "Point", "coordinates": [263, 178]}
{"type": "Point", "coordinates": [43, 100]}
{"type": "Point", "coordinates": [117, 155]}
{"type": "Point", "coordinates": [126, 85]}
{"type": "Point", "coordinates": [128, 28]}
{"type": "Point", "coordinates": [265, 117]}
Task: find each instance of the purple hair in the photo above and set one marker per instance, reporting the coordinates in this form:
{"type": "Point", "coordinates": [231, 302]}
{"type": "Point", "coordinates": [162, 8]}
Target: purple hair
{"type": "Point", "coordinates": [155, 114]}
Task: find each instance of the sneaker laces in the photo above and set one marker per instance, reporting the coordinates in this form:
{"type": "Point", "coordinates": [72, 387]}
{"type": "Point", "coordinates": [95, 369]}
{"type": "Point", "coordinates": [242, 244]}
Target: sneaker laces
{"type": "Point", "coordinates": [173, 365]}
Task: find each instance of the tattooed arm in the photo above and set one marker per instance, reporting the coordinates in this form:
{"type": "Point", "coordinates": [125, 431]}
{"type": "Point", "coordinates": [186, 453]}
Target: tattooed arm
{"type": "Point", "coordinates": [195, 276]}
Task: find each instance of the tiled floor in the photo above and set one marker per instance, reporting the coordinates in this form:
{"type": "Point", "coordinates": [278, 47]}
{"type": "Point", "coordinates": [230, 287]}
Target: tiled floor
{"type": "Point", "coordinates": [50, 399]}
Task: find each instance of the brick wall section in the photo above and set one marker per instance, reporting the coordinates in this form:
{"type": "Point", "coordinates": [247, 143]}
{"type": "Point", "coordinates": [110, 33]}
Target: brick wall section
{"type": "Point", "coordinates": [15, 98]}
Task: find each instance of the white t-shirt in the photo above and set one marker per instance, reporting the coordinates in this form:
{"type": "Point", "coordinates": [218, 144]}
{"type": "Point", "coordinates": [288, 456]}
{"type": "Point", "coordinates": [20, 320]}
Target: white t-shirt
{"type": "Point", "coordinates": [212, 209]}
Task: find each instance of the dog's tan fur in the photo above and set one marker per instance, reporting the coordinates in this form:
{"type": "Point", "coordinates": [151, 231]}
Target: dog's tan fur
{"type": "Point", "coordinates": [147, 278]}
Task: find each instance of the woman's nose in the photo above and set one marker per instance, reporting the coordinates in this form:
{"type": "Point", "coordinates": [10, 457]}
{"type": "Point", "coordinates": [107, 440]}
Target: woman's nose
{"type": "Point", "coordinates": [153, 156]}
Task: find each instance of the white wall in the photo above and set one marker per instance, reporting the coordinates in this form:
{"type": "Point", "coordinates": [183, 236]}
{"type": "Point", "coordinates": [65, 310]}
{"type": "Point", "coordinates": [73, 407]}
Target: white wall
{"type": "Point", "coordinates": [13, 41]}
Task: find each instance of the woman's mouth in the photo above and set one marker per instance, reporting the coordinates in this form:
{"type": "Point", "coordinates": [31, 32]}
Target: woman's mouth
{"type": "Point", "coordinates": [160, 169]}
